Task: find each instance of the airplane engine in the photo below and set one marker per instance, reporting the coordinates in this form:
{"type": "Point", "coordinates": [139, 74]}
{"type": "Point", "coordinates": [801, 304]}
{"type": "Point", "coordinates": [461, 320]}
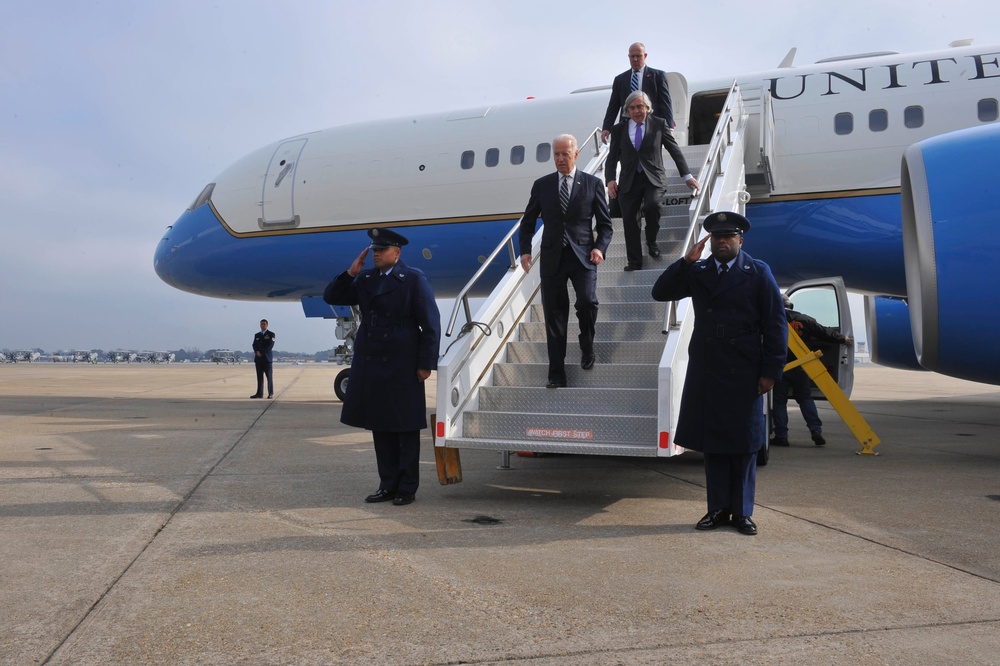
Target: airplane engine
{"type": "Point", "coordinates": [890, 338]}
{"type": "Point", "coordinates": [951, 246]}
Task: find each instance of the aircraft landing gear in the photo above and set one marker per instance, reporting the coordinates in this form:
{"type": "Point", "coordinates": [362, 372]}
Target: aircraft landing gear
{"type": "Point", "coordinates": [340, 383]}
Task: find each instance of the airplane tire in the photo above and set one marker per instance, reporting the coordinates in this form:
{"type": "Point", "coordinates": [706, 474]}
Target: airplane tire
{"type": "Point", "coordinates": [340, 383]}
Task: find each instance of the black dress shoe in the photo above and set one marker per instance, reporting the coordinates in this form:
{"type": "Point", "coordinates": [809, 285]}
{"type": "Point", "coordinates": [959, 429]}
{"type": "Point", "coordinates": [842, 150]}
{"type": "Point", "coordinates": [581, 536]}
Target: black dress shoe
{"type": "Point", "coordinates": [654, 251]}
{"type": "Point", "coordinates": [270, 397]}
{"type": "Point", "coordinates": [745, 525]}
{"type": "Point", "coordinates": [632, 267]}
{"type": "Point", "coordinates": [587, 362]}
{"type": "Point", "coordinates": [555, 383]}
{"type": "Point", "coordinates": [381, 495]}
{"type": "Point", "coordinates": [713, 519]}
{"type": "Point", "coordinates": [256, 396]}
{"type": "Point", "coordinates": [778, 441]}
{"type": "Point", "coordinates": [818, 439]}
{"type": "Point", "coordinates": [402, 499]}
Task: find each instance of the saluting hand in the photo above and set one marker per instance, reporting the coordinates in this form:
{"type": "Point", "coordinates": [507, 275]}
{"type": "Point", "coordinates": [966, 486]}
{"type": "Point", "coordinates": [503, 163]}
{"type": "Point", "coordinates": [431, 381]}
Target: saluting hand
{"type": "Point", "coordinates": [359, 264]}
{"type": "Point", "coordinates": [694, 254]}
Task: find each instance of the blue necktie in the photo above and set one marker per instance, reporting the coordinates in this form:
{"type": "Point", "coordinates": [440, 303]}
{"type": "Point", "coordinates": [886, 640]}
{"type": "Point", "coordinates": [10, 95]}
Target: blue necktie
{"type": "Point", "coordinates": [635, 80]}
{"type": "Point", "coordinates": [638, 142]}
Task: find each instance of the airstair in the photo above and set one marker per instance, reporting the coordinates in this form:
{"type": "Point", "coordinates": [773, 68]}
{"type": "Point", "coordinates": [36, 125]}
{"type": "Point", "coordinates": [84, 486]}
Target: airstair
{"type": "Point", "coordinates": [491, 380]}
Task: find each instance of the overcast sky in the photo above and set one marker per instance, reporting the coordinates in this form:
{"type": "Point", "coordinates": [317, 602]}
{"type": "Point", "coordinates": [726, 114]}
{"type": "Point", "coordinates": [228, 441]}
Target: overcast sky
{"type": "Point", "coordinates": [116, 114]}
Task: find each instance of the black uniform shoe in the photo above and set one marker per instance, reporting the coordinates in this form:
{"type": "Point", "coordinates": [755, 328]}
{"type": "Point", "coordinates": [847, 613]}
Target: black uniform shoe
{"type": "Point", "coordinates": [588, 362]}
{"type": "Point", "coordinates": [745, 525]}
{"type": "Point", "coordinates": [633, 267]}
{"type": "Point", "coordinates": [270, 397]}
{"type": "Point", "coordinates": [256, 396]}
{"type": "Point", "coordinates": [713, 519]}
{"type": "Point", "coordinates": [654, 251]}
{"type": "Point", "coordinates": [818, 438]}
{"type": "Point", "coordinates": [555, 383]}
{"type": "Point", "coordinates": [402, 499]}
{"type": "Point", "coordinates": [381, 495]}
{"type": "Point", "coordinates": [778, 441]}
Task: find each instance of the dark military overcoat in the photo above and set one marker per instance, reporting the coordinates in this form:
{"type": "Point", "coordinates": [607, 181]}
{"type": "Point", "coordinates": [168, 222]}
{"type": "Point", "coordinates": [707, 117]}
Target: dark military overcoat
{"type": "Point", "coordinates": [740, 335]}
{"type": "Point", "coordinates": [400, 332]}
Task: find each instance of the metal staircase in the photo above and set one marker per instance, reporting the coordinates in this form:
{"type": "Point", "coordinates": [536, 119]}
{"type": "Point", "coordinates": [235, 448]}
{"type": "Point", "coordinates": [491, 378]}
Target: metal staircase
{"type": "Point", "coordinates": [491, 381]}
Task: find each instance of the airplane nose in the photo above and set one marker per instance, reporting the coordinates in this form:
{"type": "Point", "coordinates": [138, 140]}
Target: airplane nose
{"type": "Point", "coordinates": [177, 256]}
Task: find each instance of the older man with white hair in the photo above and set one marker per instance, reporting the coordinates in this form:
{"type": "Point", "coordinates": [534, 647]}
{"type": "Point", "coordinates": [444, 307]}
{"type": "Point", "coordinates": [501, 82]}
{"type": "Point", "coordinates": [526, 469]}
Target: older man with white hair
{"type": "Point", "coordinates": [636, 143]}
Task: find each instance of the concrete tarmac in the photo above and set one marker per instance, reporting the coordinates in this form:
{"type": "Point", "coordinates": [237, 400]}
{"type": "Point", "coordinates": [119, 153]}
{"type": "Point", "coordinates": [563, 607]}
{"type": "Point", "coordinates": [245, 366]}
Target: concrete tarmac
{"type": "Point", "coordinates": [155, 515]}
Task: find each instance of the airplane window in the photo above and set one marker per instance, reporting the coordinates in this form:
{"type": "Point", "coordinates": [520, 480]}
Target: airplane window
{"type": "Point", "coordinates": [468, 159]}
{"type": "Point", "coordinates": [543, 152]}
{"type": "Point", "coordinates": [843, 123]}
{"type": "Point", "coordinates": [517, 155]}
{"type": "Point", "coordinates": [987, 110]}
{"type": "Point", "coordinates": [878, 120]}
{"type": "Point", "coordinates": [492, 157]}
{"type": "Point", "coordinates": [913, 116]}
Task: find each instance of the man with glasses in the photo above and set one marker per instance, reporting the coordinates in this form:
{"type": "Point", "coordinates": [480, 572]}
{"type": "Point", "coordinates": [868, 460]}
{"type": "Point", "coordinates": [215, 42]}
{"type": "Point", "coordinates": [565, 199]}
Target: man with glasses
{"type": "Point", "coordinates": [637, 144]}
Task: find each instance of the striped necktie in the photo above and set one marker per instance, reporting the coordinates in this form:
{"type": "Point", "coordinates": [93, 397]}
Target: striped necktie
{"type": "Point", "coordinates": [564, 194]}
{"type": "Point", "coordinates": [635, 80]}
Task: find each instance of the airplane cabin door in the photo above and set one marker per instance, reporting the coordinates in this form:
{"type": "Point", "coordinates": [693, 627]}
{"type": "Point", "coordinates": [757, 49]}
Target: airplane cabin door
{"type": "Point", "coordinates": [277, 207]}
{"type": "Point", "coordinates": [825, 300]}
{"type": "Point", "coordinates": [679, 105]}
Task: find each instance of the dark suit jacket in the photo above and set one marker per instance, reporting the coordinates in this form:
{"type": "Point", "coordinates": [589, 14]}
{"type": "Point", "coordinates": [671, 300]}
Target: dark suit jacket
{"type": "Point", "coordinates": [655, 134]}
{"type": "Point", "coordinates": [586, 202]}
{"type": "Point", "coordinates": [654, 84]}
{"type": "Point", "coordinates": [263, 342]}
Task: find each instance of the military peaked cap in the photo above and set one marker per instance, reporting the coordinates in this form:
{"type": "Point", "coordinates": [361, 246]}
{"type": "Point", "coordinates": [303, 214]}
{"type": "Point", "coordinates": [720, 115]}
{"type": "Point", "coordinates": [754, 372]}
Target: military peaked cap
{"type": "Point", "coordinates": [726, 224]}
{"type": "Point", "coordinates": [386, 238]}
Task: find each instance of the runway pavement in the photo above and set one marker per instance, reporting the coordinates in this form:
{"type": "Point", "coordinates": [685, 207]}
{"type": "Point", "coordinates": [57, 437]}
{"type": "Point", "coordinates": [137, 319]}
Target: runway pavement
{"type": "Point", "coordinates": [155, 515]}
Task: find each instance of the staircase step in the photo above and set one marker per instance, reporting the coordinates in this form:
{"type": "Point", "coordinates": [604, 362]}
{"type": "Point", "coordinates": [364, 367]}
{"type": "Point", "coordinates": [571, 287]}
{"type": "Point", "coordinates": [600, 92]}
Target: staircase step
{"type": "Point", "coordinates": [606, 352]}
{"type": "Point", "coordinates": [609, 377]}
{"type": "Point", "coordinates": [646, 311]}
{"type": "Point", "coordinates": [558, 446]}
{"type": "Point", "coordinates": [579, 427]}
{"type": "Point", "coordinates": [636, 331]}
{"type": "Point", "coordinates": [593, 401]}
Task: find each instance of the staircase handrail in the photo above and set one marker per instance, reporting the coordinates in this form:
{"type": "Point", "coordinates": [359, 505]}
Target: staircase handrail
{"type": "Point", "coordinates": [732, 121]}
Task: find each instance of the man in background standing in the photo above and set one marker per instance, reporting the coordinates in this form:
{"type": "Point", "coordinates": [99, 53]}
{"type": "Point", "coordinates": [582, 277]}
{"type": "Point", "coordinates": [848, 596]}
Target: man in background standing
{"type": "Point", "coordinates": [263, 343]}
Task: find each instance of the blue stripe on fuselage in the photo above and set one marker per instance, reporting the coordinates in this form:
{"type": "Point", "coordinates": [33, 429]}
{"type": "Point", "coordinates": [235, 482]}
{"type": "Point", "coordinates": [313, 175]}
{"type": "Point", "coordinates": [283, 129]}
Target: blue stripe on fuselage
{"type": "Point", "coordinates": [198, 255]}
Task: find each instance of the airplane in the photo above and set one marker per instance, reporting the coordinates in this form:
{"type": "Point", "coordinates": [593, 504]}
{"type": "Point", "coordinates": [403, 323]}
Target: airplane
{"type": "Point", "coordinates": [154, 357]}
{"type": "Point", "coordinates": [21, 355]}
{"type": "Point", "coordinates": [225, 356]}
{"type": "Point", "coordinates": [875, 167]}
{"type": "Point", "coordinates": [121, 356]}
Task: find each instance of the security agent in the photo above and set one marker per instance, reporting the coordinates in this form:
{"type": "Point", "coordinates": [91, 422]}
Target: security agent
{"type": "Point", "coordinates": [395, 350]}
{"type": "Point", "coordinates": [737, 353]}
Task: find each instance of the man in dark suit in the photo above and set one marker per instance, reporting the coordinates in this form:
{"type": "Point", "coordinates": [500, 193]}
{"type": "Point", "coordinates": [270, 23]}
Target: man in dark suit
{"type": "Point", "coordinates": [651, 81]}
{"type": "Point", "coordinates": [568, 201]}
{"type": "Point", "coordinates": [395, 350]}
{"type": "Point", "coordinates": [637, 144]}
{"type": "Point", "coordinates": [263, 343]}
{"type": "Point", "coordinates": [736, 354]}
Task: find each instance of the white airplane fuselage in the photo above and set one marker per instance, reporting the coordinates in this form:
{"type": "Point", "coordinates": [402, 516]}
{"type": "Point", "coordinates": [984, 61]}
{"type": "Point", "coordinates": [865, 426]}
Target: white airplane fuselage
{"type": "Point", "coordinates": [287, 218]}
